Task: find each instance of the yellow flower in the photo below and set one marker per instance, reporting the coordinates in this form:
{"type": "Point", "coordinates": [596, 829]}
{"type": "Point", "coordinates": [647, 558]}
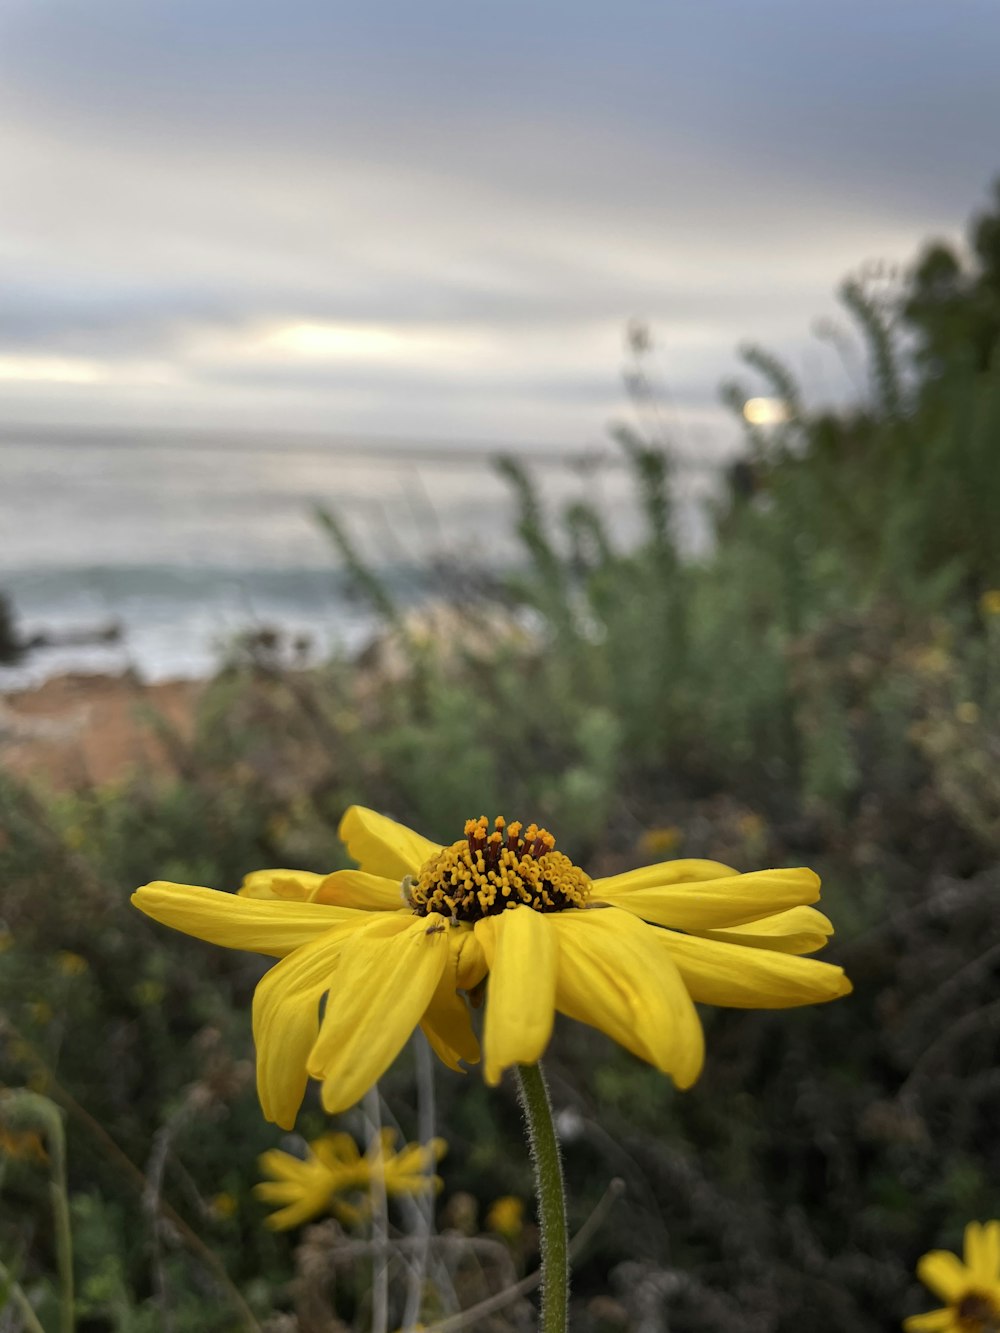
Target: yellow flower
{"type": "Point", "coordinates": [22, 1144]}
{"type": "Point", "coordinates": [750, 825]}
{"type": "Point", "coordinates": [972, 1289]}
{"type": "Point", "coordinates": [396, 942]}
{"type": "Point", "coordinates": [70, 964]}
{"type": "Point", "coordinates": [660, 841]}
{"type": "Point", "coordinates": [506, 1216]}
{"type": "Point", "coordinates": [989, 603]}
{"type": "Point", "coordinates": [224, 1205]}
{"type": "Point", "coordinates": [333, 1167]}
{"type": "Point", "coordinates": [932, 659]}
{"type": "Point", "coordinates": [148, 993]}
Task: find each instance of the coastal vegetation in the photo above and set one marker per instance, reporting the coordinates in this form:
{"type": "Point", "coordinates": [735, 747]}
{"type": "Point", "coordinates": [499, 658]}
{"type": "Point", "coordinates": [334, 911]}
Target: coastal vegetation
{"type": "Point", "coordinates": [821, 687]}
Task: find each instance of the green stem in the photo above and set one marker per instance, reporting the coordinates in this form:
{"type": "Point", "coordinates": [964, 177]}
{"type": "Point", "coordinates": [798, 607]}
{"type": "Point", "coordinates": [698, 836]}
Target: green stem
{"type": "Point", "coordinates": [380, 1216]}
{"type": "Point", "coordinates": [24, 1109]}
{"type": "Point", "coordinates": [17, 1296]}
{"type": "Point", "coordinates": [544, 1145]}
{"type": "Point", "coordinates": [63, 1233]}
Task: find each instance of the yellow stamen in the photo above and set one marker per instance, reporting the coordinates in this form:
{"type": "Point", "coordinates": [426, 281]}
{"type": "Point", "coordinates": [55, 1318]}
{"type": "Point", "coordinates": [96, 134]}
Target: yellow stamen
{"type": "Point", "coordinates": [489, 872]}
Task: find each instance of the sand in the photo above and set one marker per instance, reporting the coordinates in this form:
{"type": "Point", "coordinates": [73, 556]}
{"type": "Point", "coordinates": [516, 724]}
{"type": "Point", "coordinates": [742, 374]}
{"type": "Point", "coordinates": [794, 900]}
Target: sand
{"type": "Point", "coordinates": [77, 730]}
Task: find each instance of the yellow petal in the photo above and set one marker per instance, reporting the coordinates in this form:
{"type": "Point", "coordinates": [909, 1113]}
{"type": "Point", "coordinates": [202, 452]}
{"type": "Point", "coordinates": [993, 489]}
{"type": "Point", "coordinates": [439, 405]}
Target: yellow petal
{"type": "Point", "coordinates": [381, 846]}
{"type": "Point", "coordinates": [448, 1027]}
{"type": "Point", "coordinates": [297, 1212]}
{"type": "Point", "coordinates": [613, 974]}
{"type": "Point", "coordinates": [685, 870]}
{"type": "Point", "coordinates": [447, 1023]}
{"type": "Point", "coordinates": [522, 954]}
{"type": "Point", "coordinates": [260, 925]}
{"type": "Point", "coordinates": [467, 959]}
{"type": "Point", "coordinates": [336, 1151]}
{"type": "Point", "coordinates": [380, 1147]}
{"type": "Point", "coordinates": [384, 985]}
{"type": "Point", "coordinates": [991, 1246]}
{"type": "Point", "coordinates": [799, 930]}
{"type": "Point", "coordinates": [281, 1165]}
{"type": "Point", "coordinates": [356, 888]}
{"type": "Point", "coordinates": [728, 974]}
{"type": "Point", "coordinates": [934, 1321]}
{"type": "Point", "coordinates": [278, 1191]}
{"type": "Point", "coordinates": [414, 1160]}
{"type": "Point", "coordinates": [296, 884]}
{"type": "Point", "coordinates": [982, 1251]}
{"type": "Point", "coordinates": [730, 900]}
{"type": "Point", "coordinates": [945, 1275]}
{"type": "Point", "coordinates": [286, 1021]}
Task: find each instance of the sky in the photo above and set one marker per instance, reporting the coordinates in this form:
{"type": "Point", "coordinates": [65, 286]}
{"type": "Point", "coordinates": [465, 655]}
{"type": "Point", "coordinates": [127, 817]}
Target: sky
{"type": "Point", "coordinates": [434, 220]}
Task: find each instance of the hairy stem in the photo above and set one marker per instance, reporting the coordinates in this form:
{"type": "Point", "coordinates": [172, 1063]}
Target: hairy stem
{"type": "Point", "coordinates": [534, 1097]}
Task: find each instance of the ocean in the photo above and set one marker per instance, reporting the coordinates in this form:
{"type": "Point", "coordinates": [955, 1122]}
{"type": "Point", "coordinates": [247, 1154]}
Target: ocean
{"type": "Point", "coordinates": [185, 541]}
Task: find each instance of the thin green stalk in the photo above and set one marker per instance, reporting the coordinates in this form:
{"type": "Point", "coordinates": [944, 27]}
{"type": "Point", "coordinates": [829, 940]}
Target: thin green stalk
{"type": "Point", "coordinates": [380, 1217]}
{"type": "Point", "coordinates": [24, 1109]}
{"type": "Point", "coordinates": [60, 1212]}
{"type": "Point", "coordinates": [424, 1203]}
{"type": "Point", "coordinates": [534, 1096]}
{"type": "Point", "coordinates": [128, 1171]}
{"type": "Point", "coordinates": [20, 1300]}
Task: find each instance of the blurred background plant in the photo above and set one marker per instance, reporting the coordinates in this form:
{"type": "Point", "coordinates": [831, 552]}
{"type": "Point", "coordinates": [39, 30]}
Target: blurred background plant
{"type": "Point", "coordinates": [820, 686]}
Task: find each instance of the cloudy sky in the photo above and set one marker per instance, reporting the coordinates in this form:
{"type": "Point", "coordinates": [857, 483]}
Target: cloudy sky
{"type": "Point", "coordinates": [433, 219]}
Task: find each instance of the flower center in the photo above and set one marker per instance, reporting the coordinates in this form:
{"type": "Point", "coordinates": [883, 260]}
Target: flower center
{"type": "Point", "coordinates": [486, 873]}
{"type": "Point", "coordinates": [977, 1313]}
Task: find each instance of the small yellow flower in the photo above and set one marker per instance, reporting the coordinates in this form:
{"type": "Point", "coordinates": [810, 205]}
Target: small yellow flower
{"type": "Point", "coordinates": [334, 1167]}
{"type": "Point", "coordinates": [971, 1289]}
{"type": "Point", "coordinates": [278, 826]}
{"type": "Point", "coordinates": [223, 1205]}
{"type": "Point", "coordinates": [506, 1216]}
{"type": "Point", "coordinates": [989, 603]}
{"type": "Point", "coordinates": [22, 1144]}
{"type": "Point", "coordinates": [967, 712]}
{"type": "Point", "coordinates": [395, 943]}
{"type": "Point", "coordinates": [70, 964]}
{"type": "Point", "coordinates": [751, 825]}
{"type": "Point", "coordinates": [148, 994]}
{"type": "Point", "coordinates": [660, 841]}
{"type": "Point", "coordinates": [933, 660]}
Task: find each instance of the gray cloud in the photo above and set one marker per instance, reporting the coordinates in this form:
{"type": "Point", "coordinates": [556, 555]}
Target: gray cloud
{"type": "Point", "coordinates": [181, 174]}
{"type": "Point", "coordinates": [834, 91]}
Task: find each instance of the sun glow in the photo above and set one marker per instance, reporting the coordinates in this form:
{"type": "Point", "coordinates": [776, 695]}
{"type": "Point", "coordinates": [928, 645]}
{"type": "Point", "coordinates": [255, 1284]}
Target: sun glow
{"type": "Point", "coordinates": [50, 370]}
{"type": "Point", "coordinates": [331, 342]}
{"type": "Point", "coordinates": [765, 411]}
